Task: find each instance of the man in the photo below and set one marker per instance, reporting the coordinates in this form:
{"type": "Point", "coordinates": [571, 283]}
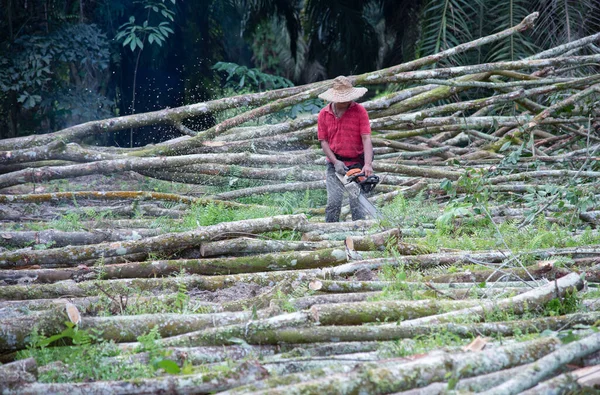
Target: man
{"type": "Point", "coordinates": [345, 135]}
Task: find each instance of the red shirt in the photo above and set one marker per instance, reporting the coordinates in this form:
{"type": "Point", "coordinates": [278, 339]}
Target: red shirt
{"type": "Point", "coordinates": [344, 134]}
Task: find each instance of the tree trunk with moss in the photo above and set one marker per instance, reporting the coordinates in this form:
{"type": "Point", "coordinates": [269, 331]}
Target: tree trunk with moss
{"type": "Point", "coordinates": [70, 256]}
{"type": "Point", "coordinates": [421, 372]}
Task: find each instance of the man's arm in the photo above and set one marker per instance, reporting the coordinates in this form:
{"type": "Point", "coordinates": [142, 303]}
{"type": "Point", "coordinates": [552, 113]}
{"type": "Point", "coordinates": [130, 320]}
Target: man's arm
{"type": "Point", "coordinates": [340, 167]}
{"type": "Point", "coordinates": [368, 149]}
{"type": "Point", "coordinates": [328, 152]}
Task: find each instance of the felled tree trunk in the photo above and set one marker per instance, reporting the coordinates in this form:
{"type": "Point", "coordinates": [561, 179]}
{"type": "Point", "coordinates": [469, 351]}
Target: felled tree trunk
{"type": "Point", "coordinates": [55, 238]}
{"type": "Point", "coordinates": [528, 272]}
{"type": "Point", "coordinates": [69, 256]}
{"type": "Point", "coordinates": [125, 287]}
{"type": "Point", "coordinates": [203, 383]}
{"type": "Point", "coordinates": [251, 264]}
{"type": "Point", "coordinates": [18, 373]}
{"type": "Point", "coordinates": [518, 304]}
{"type": "Point", "coordinates": [402, 376]}
{"type": "Point", "coordinates": [402, 331]}
{"type": "Point", "coordinates": [245, 245]}
{"type": "Point", "coordinates": [383, 311]}
{"type": "Point", "coordinates": [547, 365]}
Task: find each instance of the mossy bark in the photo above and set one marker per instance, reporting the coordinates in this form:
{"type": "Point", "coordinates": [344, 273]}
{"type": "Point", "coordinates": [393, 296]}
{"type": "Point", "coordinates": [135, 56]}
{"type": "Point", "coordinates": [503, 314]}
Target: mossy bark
{"type": "Point", "coordinates": [128, 286]}
{"type": "Point", "coordinates": [70, 256]}
{"type": "Point", "coordinates": [251, 264]}
{"type": "Point", "coordinates": [546, 366]}
{"type": "Point", "coordinates": [421, 372]}
{"type": "Point", "coordinates": [384, 311]}
{"type": "Point", "coordinates": [203, 383]}
{"type": "Point", "coordinates": [387, 332]}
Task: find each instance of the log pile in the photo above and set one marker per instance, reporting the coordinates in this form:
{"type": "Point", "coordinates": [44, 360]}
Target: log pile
{"type": "Point", "coordinates": [237, 306]}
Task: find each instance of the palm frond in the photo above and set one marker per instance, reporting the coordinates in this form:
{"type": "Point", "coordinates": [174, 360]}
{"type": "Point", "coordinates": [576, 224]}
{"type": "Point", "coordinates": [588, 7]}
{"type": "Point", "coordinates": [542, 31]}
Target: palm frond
{"type": "Point", "coordinates": [562, 21]}
{"type": "Point", "coordinates": [503, 15]}
{"type": "Point", "coordinates": [447, 23]}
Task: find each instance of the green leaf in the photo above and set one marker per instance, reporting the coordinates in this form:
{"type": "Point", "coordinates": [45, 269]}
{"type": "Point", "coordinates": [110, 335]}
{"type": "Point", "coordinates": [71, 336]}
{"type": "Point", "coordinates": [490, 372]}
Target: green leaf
{"type": "Point", "coordinates": [128, 40]}
{"type": "Point", "coordinates": [505, 146]}
{"type": "Point", "coordinates": [139, 43]}
{"type": "Point", "coordinates": [132, 44]}
{"type": "Point", "coordinates": [168, 366]}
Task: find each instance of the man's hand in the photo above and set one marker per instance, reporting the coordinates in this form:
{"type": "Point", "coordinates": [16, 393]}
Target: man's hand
{"type": "Point", "coordinates": [367, 169]}
{"type": "Point", "coordinates": [340, 167]}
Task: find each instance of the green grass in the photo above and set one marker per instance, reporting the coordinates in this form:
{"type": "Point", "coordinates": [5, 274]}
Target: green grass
{"type": "Point", "coordinates": [539, 235]}
{"type": "Point", "coordinates": [422, 344]}
{"type": "Point", "coordinates": [408, 213]}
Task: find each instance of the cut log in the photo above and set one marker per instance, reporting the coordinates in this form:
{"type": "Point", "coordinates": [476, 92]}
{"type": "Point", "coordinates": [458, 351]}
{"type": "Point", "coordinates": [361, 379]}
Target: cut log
{"type": "Point", "coordinates": [228, 334]}
{"type": "Point", "coordinates": [69, 256]}
{"type": "Point", "coordinates": [547, 365]}
{"type": "Point", "coordinates": [526, 273]}
{"type": "Point", "coordinates": [384, 311]}
{"type": "Point", "coordinates": [203, 383]}
{"type": "Point", "coordinates": [125, 287]}
{"type": "Point", "coordinates": [251, 264]}
{"type": "Point", "coordinates": [567, 383]}
{"type": "Point", "coordinates": [55, 238]}
{"type": "Point", "coordinates": [394, 332]}
{"type": "Point", "coordinates": [246, 245]}
{"type": "Point", "coordinates": [16, 374]}
{"type": "Point", "coordinates": [473, 384]}
{"type": "Point", "coordinates": [435, 368]}
{"type": "Point", "coordinates": [519, 304]}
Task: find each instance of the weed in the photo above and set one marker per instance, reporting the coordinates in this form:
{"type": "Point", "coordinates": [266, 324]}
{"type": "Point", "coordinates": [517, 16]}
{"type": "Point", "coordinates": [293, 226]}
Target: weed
{"type": "Point", "coordinates": [422, 344]}
{"type": "Point", "coordinates": [69, 222]}
{"type": "Point", "coordinates": [404, 213]}
{"type": "Point", "coordinates": [182, 300]}
{"type": "Point", "coordinates": [398, 289]}
{"type": "Point", "coordinates": [211, 214]}
{"type": "Point", "coordinates": [84, 360]}
{"type": "Point", "coordinates": [157, 355]}
{"type": "Point", "coordinates": [568, 304]}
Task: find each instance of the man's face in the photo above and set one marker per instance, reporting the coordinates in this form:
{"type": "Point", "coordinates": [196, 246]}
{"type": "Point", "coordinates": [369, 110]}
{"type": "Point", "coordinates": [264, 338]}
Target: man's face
{"type": "Point", "coordinates": [343, 105]}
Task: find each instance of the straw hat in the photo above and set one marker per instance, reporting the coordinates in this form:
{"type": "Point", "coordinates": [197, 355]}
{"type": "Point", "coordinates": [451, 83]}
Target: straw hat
{"type": "Point", "coordinates": [342, 91]}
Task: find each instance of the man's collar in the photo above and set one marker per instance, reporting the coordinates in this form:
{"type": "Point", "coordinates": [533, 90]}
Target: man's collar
{"type": "Point", "coordinates": [330, 110]}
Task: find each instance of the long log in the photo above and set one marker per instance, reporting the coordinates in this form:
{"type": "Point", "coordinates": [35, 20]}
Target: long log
{"type": "Point", "coordinates": [111, 195]}
{"type": "Point", "coordinates": [251, 264]}
{"type": "Point", "coordinates": [547, 365]}
{"type": "Point", "coordinates": [402, 376]}
{"type": "Point", "coordinates": [56, 238]}
{"type": "Point", "coordinates": [387, 332]}
{"type": "Point", "coordinates": [383, 311]}
{"type": "Point", "coordinates": [203, 383]}
{"type": "Point", "coordinates": [124, 287]}
{"type": "Point", "coordinates": [568, 383]}
{"type": "Point", "coordinates": [528, 272]}
{"type": "Point", "coordinates": [202, 355]}
{"type": "Point", "coordinates": [336, 286]}
{"type": "Point", "coordinates": [472, 384]}
{"type": "Point", "coordinates": [227, 334]}
{"type": "Point", "coordinates": [71, 255]}
{"type": "Point", "coordinates": [17, 373]}
{"type": "Point", "coordinates": [518, 304]}
{"type": "Point", "coordinates": [246, 245]}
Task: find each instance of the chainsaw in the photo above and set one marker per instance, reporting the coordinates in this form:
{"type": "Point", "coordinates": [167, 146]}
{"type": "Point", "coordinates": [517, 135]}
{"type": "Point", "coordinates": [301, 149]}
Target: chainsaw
{"type": "Point", "coordinates": [358, 186]}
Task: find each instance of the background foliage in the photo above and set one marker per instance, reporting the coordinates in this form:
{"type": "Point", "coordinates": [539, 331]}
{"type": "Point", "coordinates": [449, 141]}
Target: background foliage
{"type": "Point", "coordinates": [63, 62]}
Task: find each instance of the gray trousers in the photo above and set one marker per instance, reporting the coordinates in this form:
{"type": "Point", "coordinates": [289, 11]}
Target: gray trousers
{"type": "Point", "coordinates": [335, 197]}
